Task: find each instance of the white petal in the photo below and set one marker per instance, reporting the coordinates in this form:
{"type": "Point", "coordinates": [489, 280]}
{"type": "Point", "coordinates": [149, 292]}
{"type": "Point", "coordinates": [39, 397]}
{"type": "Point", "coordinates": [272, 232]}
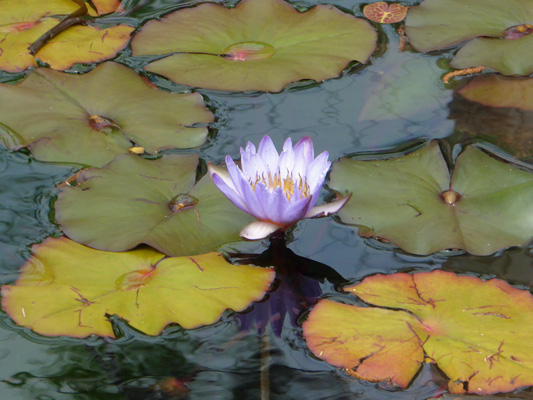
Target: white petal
{"type": "Point", "coordinates": [327, 209]}
{"type": "Point", "coordinates": [222, 173]}
{"type": "Point", "coordinates": [258, 230]}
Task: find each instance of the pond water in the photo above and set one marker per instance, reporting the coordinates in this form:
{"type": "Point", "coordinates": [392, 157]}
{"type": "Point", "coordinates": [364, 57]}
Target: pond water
{"type": "Point", "coordinates": [389, 105]}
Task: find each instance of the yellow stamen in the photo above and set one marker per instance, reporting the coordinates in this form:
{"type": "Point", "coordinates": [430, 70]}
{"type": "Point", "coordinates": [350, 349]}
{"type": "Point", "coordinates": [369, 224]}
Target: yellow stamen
{"type": "Point", "coordinates": [287, 183]}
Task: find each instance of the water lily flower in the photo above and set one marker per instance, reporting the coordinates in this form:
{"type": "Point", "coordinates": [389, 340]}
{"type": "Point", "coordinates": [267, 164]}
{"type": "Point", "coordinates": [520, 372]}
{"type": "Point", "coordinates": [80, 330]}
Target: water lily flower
{"type": "Point", "coordinates": [277, 189]}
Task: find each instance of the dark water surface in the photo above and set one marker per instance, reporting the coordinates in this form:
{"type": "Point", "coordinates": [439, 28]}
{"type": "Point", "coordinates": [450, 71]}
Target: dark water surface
{"type": "Point", "coordinates": [394, 102]}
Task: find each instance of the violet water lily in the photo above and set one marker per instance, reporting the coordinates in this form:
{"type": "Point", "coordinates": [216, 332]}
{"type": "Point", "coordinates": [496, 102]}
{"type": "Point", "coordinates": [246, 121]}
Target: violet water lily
{"type": "Point", "coordinates": [277, 189]}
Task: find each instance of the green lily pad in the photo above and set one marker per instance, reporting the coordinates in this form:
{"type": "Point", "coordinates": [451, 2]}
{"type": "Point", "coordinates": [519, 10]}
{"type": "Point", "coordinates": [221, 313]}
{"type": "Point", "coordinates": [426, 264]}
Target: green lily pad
{"type": "Point", "coordinates": [482, 341]}
{"type": "Point", "coordinates": [132, 201]}
{"type": "Point", "coordinates": [90, 118]}
{"type": "Point", "coordinates": [256, 45]}
{"type": "Point", "coordinates": [498, 34]}
{"type": "Point", "coordinates": [66, 289]}
{"type": "Point", "coordinates": [411, 201]}
{"type": "Point", "coordinates": [497, 91]}
{"type": "Point", "coordinates": [22, 22]}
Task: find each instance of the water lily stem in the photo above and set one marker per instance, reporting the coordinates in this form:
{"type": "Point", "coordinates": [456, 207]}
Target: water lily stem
{"type": "Point", "coordinates": [265, 366]}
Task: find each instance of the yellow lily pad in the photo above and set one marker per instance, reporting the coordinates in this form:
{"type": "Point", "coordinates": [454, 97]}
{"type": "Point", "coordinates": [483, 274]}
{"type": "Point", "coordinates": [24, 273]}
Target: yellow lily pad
{"type": "Point", "coordinates": [477, 332]}
{"type": "Point", "coordinates": [84, 44]}
{"type": "Point", "coordinates": [22, 22]}
{"type": "Point", "coordinates": [66, 289]}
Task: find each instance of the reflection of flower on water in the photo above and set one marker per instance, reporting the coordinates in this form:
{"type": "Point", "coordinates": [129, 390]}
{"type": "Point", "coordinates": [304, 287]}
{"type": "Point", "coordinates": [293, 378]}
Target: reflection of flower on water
{"type": "Point", "coordinates": [277, 189]}
{"type": "Point", "coordinates": [297, 290]}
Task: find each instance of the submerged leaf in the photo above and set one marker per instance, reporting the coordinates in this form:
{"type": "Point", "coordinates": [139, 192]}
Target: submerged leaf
{"type": "Point", "coordinates": [57, 114]}
{"type": "Point", "coordinates": [256, 45]}
{"type": "Point", "coordinates": [132, 201]}
{"type": "Point", "coordinates": [486, 206]}
{"type": "Point", "coordinates": [480, 341]}
{"type": "Point", "coordinates": [66, 289]}
{"type": "Point", "coordinates": [496, 32]}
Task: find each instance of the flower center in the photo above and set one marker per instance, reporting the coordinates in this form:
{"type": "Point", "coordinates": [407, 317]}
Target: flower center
{"type": "Point", "coordinates": [249, 51]}
{"type": "Point", "coordinates": [288, 183]}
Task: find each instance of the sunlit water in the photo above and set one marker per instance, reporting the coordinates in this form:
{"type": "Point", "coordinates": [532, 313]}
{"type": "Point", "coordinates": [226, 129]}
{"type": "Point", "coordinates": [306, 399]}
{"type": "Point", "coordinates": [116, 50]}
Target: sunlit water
{"type": "Point", "coordinates": [223, 361]}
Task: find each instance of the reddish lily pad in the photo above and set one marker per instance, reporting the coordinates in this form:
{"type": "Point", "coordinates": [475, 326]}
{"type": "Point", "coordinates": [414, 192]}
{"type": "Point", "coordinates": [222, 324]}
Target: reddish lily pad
{"type": "Point", "coordinates": [22, 22]}
{"type": "Point", "coordinates": [497, 91]}
{"type": "Point", "coordinates": [256, 45]}
{"type": "Point", "coordinates": [496, 32]}
{"type": "Point", "coordinates": [107, 6]}
{"type": "Point", "coordinates": [91, 118]}
{"type": "Point", "coordinates": [411, 201]}
{"type": "Point", "coordinates": [66, 289]}
{"type": "Point", "coordinates": [132, 201]}
{"type": "Point", "coordinates": [385, 13]}
{"type": "Point", "coordinates": [482, 341]}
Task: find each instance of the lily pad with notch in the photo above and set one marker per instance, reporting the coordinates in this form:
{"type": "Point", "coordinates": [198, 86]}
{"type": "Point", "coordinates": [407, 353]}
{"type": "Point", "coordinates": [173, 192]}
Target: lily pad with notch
{"type": "Point", "coordinates": [66, 289]}
{"type": "Point", "coordinates": [481, 341]}
{"type": "Point", "coordinates": [485, 206]}
{"type": "Point", "coordinates": [133, 200]}
{"type": "Point", "coordinates": [89, 119]}
{"type": "Point", "coordinates": [256, 45]}
{"type": "Point", "coordinates": [498, 34]}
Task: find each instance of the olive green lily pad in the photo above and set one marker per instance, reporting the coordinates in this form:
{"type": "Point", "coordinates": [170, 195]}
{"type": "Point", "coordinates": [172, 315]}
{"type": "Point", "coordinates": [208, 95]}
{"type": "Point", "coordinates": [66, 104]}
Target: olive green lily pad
{"type": "Point", "coordinates": [90, 118]}
{"type": "Point", "coordinates": [498, 34]}
{"type": "Point", "coordinates": [411, 201]}
{"type": "Point", "coordinates": [66, 289]}
{"type": "Point", "coordinates": [478, 333]}
{"type": "Point", "coordinates": [132, 201]}
{"type": "Point", "coordinates": [256, 45]}
{"type": "Point", "coordinates": [497, 91]}
{"type": "Point", "coordinates": [22, 22]}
